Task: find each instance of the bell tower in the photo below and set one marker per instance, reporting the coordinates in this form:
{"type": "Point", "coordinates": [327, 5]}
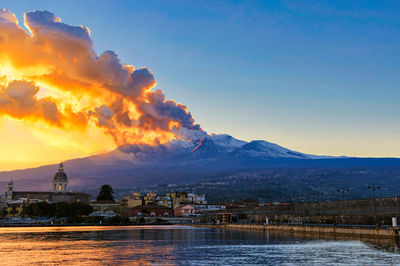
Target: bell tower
{"type": "Point", "coordinates": [10, 191]}
{"type": "Point", "coordinates": [60, 180]}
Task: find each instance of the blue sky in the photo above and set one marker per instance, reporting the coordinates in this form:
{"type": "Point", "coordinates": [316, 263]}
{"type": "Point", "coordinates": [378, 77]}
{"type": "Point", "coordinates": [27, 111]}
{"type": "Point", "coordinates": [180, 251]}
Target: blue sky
{"type": "Point", "coordinates": [315, 76]}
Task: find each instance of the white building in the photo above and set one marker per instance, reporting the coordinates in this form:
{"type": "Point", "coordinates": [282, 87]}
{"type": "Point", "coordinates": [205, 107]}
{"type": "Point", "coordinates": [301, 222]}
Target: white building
{"type": "Point", "coordinates": [209, 207]}
{"type": "Point", "coordinates": [196, 199]}
{"type": "Point", "coordinates": [165, 201]}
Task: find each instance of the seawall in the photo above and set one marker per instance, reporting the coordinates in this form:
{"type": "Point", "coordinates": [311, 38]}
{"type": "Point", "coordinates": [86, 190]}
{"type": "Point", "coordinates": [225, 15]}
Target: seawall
{"type": "Point", "coordinates": [357, 231]}
{"type": "Point", "coordinates": [360, 211]}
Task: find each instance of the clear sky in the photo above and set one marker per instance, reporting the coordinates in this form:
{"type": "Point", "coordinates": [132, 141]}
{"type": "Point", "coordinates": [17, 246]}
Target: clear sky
{"type": "Point", "coordinates": [320, 77]}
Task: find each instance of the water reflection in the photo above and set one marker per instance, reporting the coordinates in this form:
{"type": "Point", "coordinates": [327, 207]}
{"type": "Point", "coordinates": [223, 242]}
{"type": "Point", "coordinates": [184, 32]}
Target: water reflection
{"type": "Point", "coordinates": [183, 245]}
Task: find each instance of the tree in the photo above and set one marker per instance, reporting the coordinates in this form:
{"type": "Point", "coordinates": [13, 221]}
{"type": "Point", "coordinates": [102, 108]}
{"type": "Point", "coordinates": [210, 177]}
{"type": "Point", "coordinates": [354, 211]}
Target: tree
{"type": "Point", "coordinates": [39, 209]}
{"type": "Point", "coordinates": [81, 208]}
{"type": "Point", "coordinates": [106, 193]}
{"type": "Point", "coordinates": [72, 209]}
{"type": "Point", "coordinates": [3, 212]}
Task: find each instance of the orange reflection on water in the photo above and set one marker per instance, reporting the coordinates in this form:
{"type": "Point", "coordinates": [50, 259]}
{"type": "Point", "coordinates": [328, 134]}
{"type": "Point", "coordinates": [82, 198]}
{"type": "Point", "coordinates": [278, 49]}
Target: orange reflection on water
{"type": "Point", "coordinates": [97, 245]}
{"type": "Point", "coordinates": [46, 229]}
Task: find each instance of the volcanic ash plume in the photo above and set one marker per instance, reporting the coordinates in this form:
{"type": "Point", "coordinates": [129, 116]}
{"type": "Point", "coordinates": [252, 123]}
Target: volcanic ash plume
{"type": "Point", "coordinates": [50, 74]}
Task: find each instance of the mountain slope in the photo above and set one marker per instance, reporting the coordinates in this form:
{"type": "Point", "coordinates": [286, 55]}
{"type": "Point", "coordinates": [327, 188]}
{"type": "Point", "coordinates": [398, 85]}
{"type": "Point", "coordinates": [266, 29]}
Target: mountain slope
{"type": "Point", "coordinates": [182, 160]}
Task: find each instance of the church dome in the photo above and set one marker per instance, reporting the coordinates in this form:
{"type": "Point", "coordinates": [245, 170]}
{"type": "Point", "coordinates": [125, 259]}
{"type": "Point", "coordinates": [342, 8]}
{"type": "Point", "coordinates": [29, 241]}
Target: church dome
{"type": "Point", "coordinates": [60, 175]}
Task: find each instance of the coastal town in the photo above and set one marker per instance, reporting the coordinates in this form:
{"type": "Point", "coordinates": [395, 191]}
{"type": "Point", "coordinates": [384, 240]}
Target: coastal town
{"type": "Point", "coordinates": [199, 132]}
{"type": "Point", "coordinates": [177, 207]}
{"type": "Point", "coordinates": [61, 206]}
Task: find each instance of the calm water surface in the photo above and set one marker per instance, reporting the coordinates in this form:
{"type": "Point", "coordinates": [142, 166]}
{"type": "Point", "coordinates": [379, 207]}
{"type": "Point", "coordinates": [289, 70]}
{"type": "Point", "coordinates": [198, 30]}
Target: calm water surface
{"type": "Point", "coordinates": [183, 246]}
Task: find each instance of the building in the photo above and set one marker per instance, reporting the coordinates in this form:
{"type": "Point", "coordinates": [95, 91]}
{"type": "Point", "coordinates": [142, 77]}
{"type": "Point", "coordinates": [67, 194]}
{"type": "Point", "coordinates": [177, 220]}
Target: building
{"type": "Point", "coordinates": [105, 205]}
{"type": "Point", "coordinates": [150, 211]}
{"type": "Point", "coordinates": [15, 207]}
{"type": "Point", "coordinates": [178, 199]}
{"type": "Point", "coordinates": [209, 207]}
{"type": "Point", "coordinates": [105, 208]}
{"type": "Point", "coordinates": [103, 214]}
{"type": "Point", "coordinates": [165, 201]}
{"type": "Point", "coordinates": [184, 204]}
{"type": "Point", "coordinates": [170, 200]}
{"type": "Point", "coordinates": [60, 180]}
{"type": "Point", "coordinates": [196, 199]}
{"type": "Point", "coordinates": [58, 194]}
{"type": "Point", "coordinates": [185, 211]}
{"type": "Point", "coordinates": [224, 218]}
{"type": "Point", "coordinates": [233, 205]}
{"type": "Point", "coordinates": [134, 200]}
{"type": "Point", "coordinates": [150, 198]}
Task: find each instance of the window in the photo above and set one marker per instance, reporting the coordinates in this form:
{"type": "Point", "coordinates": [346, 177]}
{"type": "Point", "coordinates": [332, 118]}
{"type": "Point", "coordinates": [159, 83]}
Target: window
{"type": "Point", "coordinates": [59, 187]}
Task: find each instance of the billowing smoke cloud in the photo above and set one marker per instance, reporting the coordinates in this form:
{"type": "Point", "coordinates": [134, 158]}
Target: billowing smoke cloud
{"type": "Point", "coordinates": [104, 116]}
{"type": "Point", "coordinates": [19, 100]}
{"type": "Point", "coordinates": [160, 112]}
{"type": "Point", "coordinates": [53, 74]}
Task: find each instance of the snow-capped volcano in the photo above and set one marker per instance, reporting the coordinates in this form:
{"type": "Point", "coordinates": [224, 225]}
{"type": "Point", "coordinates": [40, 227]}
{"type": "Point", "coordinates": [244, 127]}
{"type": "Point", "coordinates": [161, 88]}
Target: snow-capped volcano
{"type": "Point", "coordinates": [134, 164]}
{"type": "Point", "coordinates": [227, 141]}
{"type": "Point", "coordinates": [211, 147]}
{"type": "Point", "coordinates": [264, 149]}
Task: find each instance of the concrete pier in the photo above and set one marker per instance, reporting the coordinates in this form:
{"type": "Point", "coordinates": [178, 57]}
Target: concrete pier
{"type": "Point", "coordinates": [356, 231]}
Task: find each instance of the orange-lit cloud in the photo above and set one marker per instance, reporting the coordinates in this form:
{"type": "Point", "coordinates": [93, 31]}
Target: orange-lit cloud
{"type": "Point", "coordinates": [51, 75]}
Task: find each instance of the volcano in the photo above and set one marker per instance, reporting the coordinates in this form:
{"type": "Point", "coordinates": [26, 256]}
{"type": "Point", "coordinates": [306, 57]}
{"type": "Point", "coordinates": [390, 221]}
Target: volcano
{"type": "Point", "coordinates": [184, 160]}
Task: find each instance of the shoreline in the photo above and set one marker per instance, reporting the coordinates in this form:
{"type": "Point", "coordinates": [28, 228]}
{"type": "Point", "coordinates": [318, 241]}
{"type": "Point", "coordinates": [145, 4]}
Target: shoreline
{"type": "Point", "coordinates": [353, 231]}
{"type": "Point", "coordinates": [318, 230]}
{"type": "Point", "coordinates": [74, 225]}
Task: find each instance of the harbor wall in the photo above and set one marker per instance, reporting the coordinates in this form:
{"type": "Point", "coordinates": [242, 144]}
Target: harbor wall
{"type": "Point", "coordinates": [386, 232]}
{"type": "Point", "coordinates": [360, 211]}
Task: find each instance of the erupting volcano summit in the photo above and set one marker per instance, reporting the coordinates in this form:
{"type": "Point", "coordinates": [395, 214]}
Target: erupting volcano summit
{"type": "Point", "coordinates": [53, 84]}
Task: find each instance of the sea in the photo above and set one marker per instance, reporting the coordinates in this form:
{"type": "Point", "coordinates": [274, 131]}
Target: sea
{"type": "Point", "coordinates": [185, 245]}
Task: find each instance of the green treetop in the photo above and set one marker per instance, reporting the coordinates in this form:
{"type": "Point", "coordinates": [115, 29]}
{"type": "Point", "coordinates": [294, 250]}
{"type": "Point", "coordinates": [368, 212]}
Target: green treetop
{"type": "Point", "coordinates": [106, 193]}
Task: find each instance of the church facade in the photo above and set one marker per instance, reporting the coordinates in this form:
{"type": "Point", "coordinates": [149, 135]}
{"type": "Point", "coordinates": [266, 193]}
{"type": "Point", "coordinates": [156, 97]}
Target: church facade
{"type": "Point", "coordinates": [58, 194]}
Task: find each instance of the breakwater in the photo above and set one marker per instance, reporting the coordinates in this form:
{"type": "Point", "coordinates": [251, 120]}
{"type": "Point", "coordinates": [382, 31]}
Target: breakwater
{"type": "Point", "coordinates": [356, 231]}
{"type": "Point", "coordinates": [356, 212]}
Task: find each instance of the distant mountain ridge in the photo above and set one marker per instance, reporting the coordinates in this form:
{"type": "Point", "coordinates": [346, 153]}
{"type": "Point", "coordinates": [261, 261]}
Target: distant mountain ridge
{"type": "Point", "coordinates": [178, 160]}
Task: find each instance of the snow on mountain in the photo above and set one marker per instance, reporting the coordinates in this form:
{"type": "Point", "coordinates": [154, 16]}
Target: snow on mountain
{"type": "Point", "coordinates": [263, 150]}
{"type": "Point", "coordinates": [217, 149]}
{"type": "Point", "coordinates": [181, 145]}
{"type": "Point", "coordinates": [134, 164]}
{"type": "Point", "coordinates": [213, 146]}
{"type": "Point", "coordinates": [226, 141]}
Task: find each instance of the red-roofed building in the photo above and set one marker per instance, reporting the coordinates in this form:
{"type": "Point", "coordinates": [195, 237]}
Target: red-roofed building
{"type": "Point", "coordinates": [151, 211]}
{"type": "Point", "coordinates": [185, 211]}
